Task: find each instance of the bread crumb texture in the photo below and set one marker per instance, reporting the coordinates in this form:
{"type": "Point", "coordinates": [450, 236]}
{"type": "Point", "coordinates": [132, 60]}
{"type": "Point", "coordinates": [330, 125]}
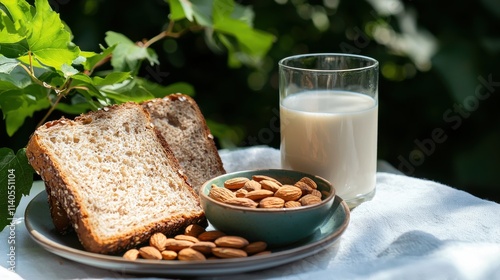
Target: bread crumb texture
{"type": "Point", "coordinates": [183, 126]}
{"type": "Point", "coordinates": [118, 170]}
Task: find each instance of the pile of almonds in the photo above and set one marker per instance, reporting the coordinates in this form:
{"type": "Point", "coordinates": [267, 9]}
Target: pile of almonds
{"type": "Point", "coordinates": [197, 244]}
{"type": "Point", "coordinates": [266, 192]}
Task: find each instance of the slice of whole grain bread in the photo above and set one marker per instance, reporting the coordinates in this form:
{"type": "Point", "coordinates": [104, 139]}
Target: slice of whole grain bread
{"type": "Point", "coordinates": [180, 121]}
{"type": "Point", "coordinates": [115, 178]}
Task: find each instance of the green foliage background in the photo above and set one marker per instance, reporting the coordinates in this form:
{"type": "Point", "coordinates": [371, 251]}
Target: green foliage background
{"type": "Point", "coordinates": [432, 60]}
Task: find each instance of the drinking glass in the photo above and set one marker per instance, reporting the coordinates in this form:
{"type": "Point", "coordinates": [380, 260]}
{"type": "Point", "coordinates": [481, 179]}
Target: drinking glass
{"type": "Point", "coordinates": [328, 120]}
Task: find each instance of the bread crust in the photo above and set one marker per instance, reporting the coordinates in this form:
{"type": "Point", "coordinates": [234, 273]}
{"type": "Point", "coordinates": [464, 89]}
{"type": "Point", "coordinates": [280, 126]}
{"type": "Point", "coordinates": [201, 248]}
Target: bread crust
{"type": "Point", "coordinates": [62, 196]}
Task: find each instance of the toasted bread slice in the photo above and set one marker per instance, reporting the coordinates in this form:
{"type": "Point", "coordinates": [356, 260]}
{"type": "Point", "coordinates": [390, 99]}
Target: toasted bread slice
{"type": "Point", "coordinates": [115, 178]}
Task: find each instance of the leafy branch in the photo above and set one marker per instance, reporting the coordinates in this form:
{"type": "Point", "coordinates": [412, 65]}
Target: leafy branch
{"type": "Point", "coordinates": [41, 69]}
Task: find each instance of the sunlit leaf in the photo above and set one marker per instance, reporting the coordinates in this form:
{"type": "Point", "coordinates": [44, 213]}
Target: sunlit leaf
{"type": "Point", "coordinates": [45, 39]}
{"type": "Point", "coordinates": [129, 90]}
{"type": "Point", "coordinates": [18, 104]}
{"type": "Point", "coordinates": [127, 56]}
{"type": "Point", "coordinates": [16, 178]}
{"type": "Point", "coordinates": [93, 59]}
{"type": "Point", "coordinates": [112, 78]}
{"type": "Point", "coordinates": [160, 91]}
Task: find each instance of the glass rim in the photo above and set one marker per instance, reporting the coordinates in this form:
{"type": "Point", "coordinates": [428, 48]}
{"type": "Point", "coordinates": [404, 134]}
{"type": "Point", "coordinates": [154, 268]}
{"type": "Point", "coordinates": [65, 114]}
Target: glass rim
{"type": "Point", "coordinates": [374, 64]}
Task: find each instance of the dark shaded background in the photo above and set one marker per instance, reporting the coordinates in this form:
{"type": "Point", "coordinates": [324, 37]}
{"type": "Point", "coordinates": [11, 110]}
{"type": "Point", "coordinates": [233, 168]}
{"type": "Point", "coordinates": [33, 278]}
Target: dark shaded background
{"type": "Point", "coordinates": [438, 109]}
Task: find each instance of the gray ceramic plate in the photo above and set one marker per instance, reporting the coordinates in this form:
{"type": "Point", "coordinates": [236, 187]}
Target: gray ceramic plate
{"type": "Point", "coordinates": [39, 225]}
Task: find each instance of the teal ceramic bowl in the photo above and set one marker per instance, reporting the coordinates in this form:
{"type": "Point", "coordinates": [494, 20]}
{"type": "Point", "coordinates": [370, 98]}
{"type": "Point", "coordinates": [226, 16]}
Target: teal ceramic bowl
{"type": "Point", "coordinates": [277, 227]}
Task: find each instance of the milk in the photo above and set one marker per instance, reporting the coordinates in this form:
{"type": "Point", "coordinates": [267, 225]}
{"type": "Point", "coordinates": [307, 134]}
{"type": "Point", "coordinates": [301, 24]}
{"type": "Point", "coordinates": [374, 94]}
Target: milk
{"type": "Point", "coordinates": [333, 135]}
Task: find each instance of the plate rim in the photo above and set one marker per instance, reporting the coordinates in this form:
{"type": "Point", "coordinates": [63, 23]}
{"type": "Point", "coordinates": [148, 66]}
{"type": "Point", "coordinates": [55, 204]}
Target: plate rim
{"type": "Point", "coordinates": [175, 267]}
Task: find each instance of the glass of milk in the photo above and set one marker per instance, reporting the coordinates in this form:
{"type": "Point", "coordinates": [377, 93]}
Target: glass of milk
{"type": "Point", "coordinates": [328, 120]}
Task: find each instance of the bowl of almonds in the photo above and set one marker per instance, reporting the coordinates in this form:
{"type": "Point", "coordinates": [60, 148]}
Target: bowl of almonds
{"type": "Point", "coordinates": [276, 206]}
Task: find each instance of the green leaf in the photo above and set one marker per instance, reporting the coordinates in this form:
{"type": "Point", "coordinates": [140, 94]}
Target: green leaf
{"type": "Point", "coordinates": [7, 64]}
{"type": "Point", "coordinates": [12, 31]}
{"type": "Point", "coordinates": [18, 104]}
{"type": "Point", "coordinates": [43, 34]}
{"type": "Point", "coordinates": [232, 26]}
{"type": "Point", "coordinates": [127, 56]}
{"type": "Point", "coordinates": [78, 105]}
{"type": "Point", "coordinates": [93, 59]}
{"type": "Point", "coordinates": [199, 11]}
{"type": "Point", "coordinates": [91, 90]}
{"type": "Point", "coordinates": [16, 179]}
{"type": "Point", "coordinates": [251, 45]}
{"type": "Point", "coordinates": [68, 70]}
{"type": "Point", "coordinates": [176, 10]}
{"type": "Point", "coordinates": [11, 75]}
{"type": "Point", "coordinates": [112, 78]}
{"type": "Point", "coordinates": [159, 91]}
{"type": "Point", "coordinates": [128, 90]}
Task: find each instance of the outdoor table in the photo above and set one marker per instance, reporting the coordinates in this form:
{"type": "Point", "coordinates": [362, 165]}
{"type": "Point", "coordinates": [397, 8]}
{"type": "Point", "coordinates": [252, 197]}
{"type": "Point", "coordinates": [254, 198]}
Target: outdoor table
{"type": "Point", "coordinates": [412, 229]}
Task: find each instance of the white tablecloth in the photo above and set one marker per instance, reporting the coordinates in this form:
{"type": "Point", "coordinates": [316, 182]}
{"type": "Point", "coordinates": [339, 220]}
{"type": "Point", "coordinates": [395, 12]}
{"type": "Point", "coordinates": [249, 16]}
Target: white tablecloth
{"type": "Point", "coordinates": [412, 229]}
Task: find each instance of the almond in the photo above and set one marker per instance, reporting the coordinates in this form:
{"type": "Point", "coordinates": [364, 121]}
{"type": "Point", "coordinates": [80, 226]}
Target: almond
{"type": "Point", "coordinates": [251, 185]}
{"type": "Point", "coordinates": [310, 182]}
{"type": "Point", "coordinates": [272, 202]}
{"type": "Point", "coordinates": [259, 194]}
{"type": "Point", "coordinates": [231, 241]}
{"type": "Point", "coordinates": [317, 193]}
{"type": "Point", "coordinates": [240, 193]}
{"type": "Point", "coordinates": [225, 253]}
{"type": "Point", "coordinates": [220, 194]}
{"type": "Point", "coordinates": [288, 192]}
{"type": "Point", "coordinates": [131, 254]}
{"type": "Point", "coordinates": [177, 245]}
{"type": "Point", "coordinates": [194, 230]}
{"type": "Point", "coordinates": [150, 253]}
{"type": "Point", "coordinates": [292, 204]}
{"type": "Point", "coordinates": [259, 178]}
{"type": "Point", "coordinates": [186, 237]}
{"type": "Point", "coordinates": [158, 240]}
{"type": "Point", "coordinates": [204, 247]}
{"type": "Point", "coordinates": [270, 185]}
{"type": "Point", "coordinates": [210, 235]}
{"type": "Point", "coordinates": [189, 254]}
{"type": "Point", "coordinates": [306, 189]}
{"type": "Point", "coordinates": [242, 201]}
{"type": "Point", "coordinates": [235, 183]}
{"type": "Point", "coordinates": [309, 199]}
{"type": "Point", "coordinates": [169, 255]}
{"type": "Point", "coordinates": [255, 247]}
